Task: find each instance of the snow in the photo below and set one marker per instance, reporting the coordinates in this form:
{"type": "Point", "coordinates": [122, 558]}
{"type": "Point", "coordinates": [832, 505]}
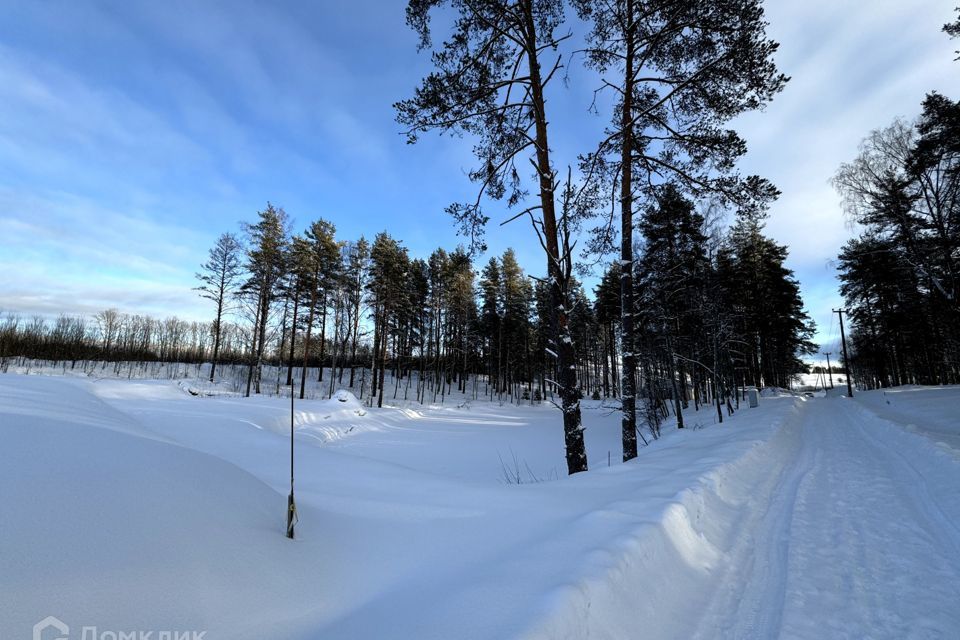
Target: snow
{"type": "Point", "coordinates": [135, 505]}
{"type": "Point", "coordinates": [856, 541]}
{"type": "Point", "coordinates": [930, 411]}
{"type": "Point", "coordinates": [873, 528]}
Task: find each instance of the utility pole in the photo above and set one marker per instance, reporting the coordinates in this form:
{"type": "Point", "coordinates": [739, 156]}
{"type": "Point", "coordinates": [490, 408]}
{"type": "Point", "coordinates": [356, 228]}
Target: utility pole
{"type": "Point", "coordinates": [846, 360]}
{"type": "Point", "coordinates": [829, 369]}
{"type": "Point", "coordinates": [291, 505]}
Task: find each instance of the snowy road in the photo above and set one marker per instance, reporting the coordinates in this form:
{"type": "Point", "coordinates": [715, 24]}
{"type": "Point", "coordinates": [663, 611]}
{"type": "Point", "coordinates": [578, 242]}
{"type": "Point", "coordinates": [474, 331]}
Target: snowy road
{"type": "Point", "coordinates": [859, 538]}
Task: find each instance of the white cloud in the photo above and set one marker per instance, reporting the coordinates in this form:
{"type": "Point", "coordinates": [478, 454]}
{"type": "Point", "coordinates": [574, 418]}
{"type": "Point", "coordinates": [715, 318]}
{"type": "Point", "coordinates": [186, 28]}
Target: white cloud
{"type": "Point", "coordinates": [65, 253]}
{"type": "Point", "coordinates": [854, 68]}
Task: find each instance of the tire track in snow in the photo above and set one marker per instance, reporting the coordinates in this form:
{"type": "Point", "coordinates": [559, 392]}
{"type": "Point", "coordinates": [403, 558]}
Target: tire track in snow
{"type": "Point", "coordinates": [753, 585]}
{"type": "Point", "coordinates": [760, 607]}
{"type": "Point", "coordinates": [844, 538]}
{"type": "Point", "coordinates": [941, 525]}
{"type": "Point", "coordinates": [870, 555]}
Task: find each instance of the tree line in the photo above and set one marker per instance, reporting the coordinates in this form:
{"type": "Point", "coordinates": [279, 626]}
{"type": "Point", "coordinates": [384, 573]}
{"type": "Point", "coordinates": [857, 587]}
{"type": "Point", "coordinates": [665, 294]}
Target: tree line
{"type": "Point", "coordinates": [439, 325]}
{"type": "Point", "coordinates": [112, 336]}
{"type": "Point", "coordinates": [900, 277]}
{"type": "Point", "coordinates": [717, 310]}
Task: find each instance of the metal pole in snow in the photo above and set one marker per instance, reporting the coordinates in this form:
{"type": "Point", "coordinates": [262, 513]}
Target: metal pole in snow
{"type": "Point", "coordinates": [291, 505]}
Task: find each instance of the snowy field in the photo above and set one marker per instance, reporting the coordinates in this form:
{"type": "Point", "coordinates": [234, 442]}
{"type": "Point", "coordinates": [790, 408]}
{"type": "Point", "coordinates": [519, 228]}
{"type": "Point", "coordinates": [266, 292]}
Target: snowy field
{"type": "Point", "coordinates": [134, 506]}
{"type": "Point", "coordinates": [816, 381]}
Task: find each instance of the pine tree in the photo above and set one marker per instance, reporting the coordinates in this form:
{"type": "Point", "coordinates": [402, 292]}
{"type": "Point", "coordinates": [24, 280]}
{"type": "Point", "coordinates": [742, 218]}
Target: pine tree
{"type": "Point", "coordinates": [885, 304]}
{"type": "Point", "coordinates": [952, 29]}
{"type": "Point", "coordinates": [517, 301]}
{"type": "Point", "coordinates": [670, 277]}
{"type": "Point", "coordinates": [356, 273]}
{"type": "Point", "coordinates": [902, 188]}
{"type": "Point", "coordinates": [490, 322]}
{"type": "Point", "coordinates": [686, 69]}
{"type": "Point", "coordinates": [489, 82]}
{"type": "Point", "coordinates": [219, 277]}
{"type": "Point", "coordinates": [267, 240]}
{"type": "Point", "coordinates": [308, 254]}
{"type": "Point", "coordinates": [607, 308]}
{"type": "Point", "coordinates": [773, 326]}
{"type": "Point", "coordinates": [321, 261]}
{"type": "Point", "coordinates": [389, 264]}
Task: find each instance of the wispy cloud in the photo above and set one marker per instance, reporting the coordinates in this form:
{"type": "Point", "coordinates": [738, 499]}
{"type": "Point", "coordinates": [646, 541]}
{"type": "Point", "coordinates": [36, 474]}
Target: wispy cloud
{"type": "Point", "coordinates": [63, 250]}
{"type": "Point", "coordinates": [36, 289]}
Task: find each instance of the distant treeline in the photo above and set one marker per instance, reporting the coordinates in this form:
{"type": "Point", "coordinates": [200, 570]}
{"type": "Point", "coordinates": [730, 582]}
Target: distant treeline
{"type": "Point", "coordinates": [112, 336]}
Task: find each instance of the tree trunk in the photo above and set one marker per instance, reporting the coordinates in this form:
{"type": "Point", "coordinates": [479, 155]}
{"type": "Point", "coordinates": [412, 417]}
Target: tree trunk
{"type": "Point", "coordinates": [264, 312]}
{"type": "Point", "coordinates": [375, 354]}
{"type": "Point", "coordinates": [383, 355]}
{"type": "Point", "coordinates": [676, 391]}
{"type": "Point", "coordinates": [323, 334]}
{"type": "Point", "coordinates": [306, 342]}
{"type": "Point", "coordinates": [217, 329]}
{"type": "Point", "coordinates": [336, 345]}
{"type": "Point", "coordinates": [293, 334]}
{"type": "Point", "coordinates": [253, 348]}
{"type": "Point", "coordinates": [570, 404]}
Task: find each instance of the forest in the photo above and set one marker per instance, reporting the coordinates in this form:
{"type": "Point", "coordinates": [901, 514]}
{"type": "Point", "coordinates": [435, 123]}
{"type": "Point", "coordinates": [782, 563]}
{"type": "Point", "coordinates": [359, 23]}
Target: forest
{"type": "Point", "coordinates": [900, 277]}
{"type": "Point", "coordinates": [718, 310]}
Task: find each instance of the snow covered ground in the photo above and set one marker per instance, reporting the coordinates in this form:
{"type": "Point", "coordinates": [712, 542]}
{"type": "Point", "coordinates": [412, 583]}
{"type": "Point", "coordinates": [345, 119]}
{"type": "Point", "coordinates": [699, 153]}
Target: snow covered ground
{"type": "Point", "coordinates": [930, 411]}
{"type": "Point", "coordinates": [134, 506]}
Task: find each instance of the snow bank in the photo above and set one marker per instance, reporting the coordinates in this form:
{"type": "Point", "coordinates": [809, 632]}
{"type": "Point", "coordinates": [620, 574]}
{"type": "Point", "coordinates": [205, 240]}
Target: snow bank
{"type": "Point", "coordinates": [334, 419]}
{"type": "Point", "coordinates": [927, 443]}
{"type": "Point", "coordinates": [634, 586]}
{"type": "Point", "coordinates": [102, 522]}
{"type": "Point", "coordinates": [138, 506]}
{"type": "Point", "coordinates": [933, 412]}
{"type": "Point", "coordinates": [776, 392]}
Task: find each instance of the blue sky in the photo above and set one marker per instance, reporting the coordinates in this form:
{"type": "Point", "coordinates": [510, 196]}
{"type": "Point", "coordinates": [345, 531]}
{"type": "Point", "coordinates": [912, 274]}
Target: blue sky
{"type": "Point", "coordinates": [133, 133]}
